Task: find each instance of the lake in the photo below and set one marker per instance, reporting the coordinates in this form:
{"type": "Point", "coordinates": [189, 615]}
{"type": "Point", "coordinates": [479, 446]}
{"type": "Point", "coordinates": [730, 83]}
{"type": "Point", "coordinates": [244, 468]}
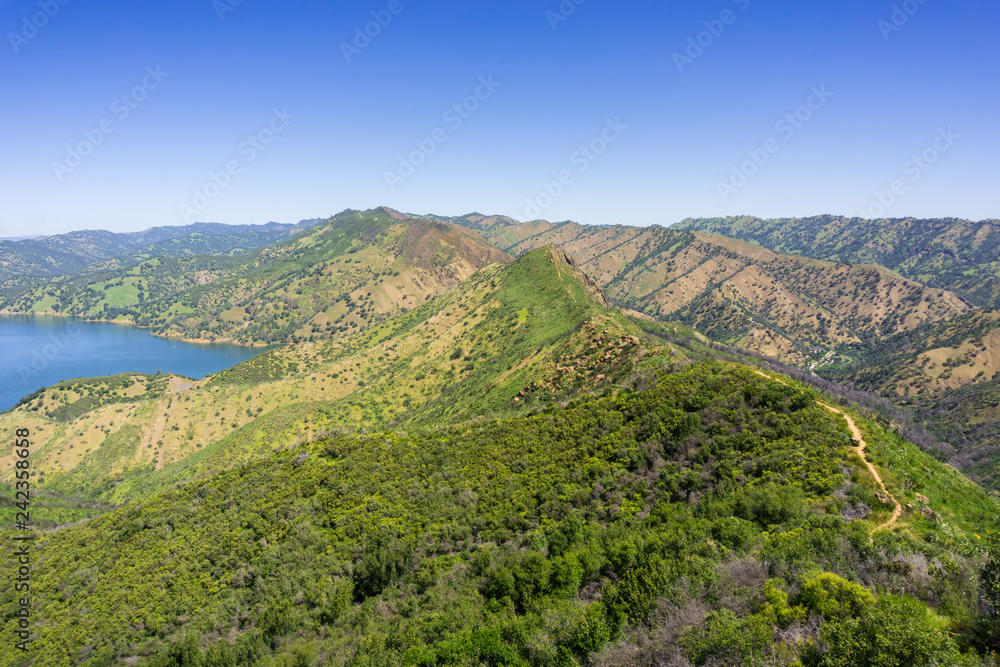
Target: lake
{"type": "Point", "coordinates": [40, 351]}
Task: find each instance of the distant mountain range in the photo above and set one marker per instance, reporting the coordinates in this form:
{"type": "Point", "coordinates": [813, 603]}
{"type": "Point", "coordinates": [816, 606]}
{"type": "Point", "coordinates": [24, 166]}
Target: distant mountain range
{"type": "Point", "coordinates": [327, 280]}
{"type": "Point", "coordinates": [68, 253]}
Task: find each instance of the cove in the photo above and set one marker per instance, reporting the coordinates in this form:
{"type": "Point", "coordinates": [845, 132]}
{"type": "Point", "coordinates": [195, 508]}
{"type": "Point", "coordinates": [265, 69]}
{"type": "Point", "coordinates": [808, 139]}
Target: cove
{"type": "Point", "coordinates": [40, 351]}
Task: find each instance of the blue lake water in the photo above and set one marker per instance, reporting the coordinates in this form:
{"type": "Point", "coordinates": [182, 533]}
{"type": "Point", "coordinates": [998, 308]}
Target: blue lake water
{"type": "Point", "coordinates": [40, 351]}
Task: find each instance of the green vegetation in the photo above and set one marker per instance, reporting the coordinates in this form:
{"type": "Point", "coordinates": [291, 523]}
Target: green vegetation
{"type": "Point", "coordinates": [347, 274]}
{"type": "Point", "coordinates": [464, 460]}
{"type": "Point", "coordinates": [715, 496]}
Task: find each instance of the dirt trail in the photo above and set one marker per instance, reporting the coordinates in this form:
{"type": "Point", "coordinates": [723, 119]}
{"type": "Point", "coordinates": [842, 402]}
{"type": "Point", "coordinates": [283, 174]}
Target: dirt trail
{"type": "Point", "coordinates": [155, 430]}
{"type": "Point", "coordinates": [860, 449]}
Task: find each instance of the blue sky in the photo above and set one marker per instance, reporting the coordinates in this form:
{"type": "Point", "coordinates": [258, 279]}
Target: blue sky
{"type": "Point", "coordinates": [124, 115]}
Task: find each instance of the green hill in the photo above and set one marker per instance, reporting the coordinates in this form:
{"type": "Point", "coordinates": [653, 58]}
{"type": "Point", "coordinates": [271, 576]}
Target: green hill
{"type": "Point", "coordinates": [715, 517]}
{"type": "Point", "coordinates": [343, 275]}
{"type": "Point", "coordinates": [506, 340]}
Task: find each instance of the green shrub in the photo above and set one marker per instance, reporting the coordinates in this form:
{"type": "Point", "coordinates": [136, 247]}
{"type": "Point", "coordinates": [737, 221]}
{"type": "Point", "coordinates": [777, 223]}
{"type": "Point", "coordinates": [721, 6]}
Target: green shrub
{"type": "Point", "coordinates": [771, 505]}
{"type": "Point", "coordinates": [734, 532]}
{"type": "Point", "coordinates": [777, 611]}
{"type": "Point", "coordinates": [988, 620]}
{"type": "Point", "coordinates": [728, 640]}
{"type": "Point", "coordinates": [383, 561]}
{"type": "Point", "coordinates": [895, 632]}
{"type": "Point", "coordinates": [833, 597]}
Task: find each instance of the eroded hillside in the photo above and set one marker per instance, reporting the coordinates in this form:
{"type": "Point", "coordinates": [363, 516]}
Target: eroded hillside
{"type": "Point", "coordinates": [735, 292]}
{"type": "Point", "coordinates": [948, 253]}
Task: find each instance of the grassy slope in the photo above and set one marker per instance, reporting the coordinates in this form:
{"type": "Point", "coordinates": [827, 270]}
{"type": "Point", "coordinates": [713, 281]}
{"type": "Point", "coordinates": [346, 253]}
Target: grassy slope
{"type": "Point", "coordinates": [504, 341]}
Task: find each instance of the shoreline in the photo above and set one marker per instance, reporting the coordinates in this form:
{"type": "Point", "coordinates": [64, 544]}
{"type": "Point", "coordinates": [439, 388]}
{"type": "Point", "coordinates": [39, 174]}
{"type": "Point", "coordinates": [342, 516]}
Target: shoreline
{"type": "Point", "coordinates": [127, 323]}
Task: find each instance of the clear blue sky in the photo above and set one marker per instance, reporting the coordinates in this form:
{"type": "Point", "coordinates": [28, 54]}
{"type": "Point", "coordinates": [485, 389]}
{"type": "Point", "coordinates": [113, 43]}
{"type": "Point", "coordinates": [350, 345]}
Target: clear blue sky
{"type": "Point", "coordinates": [665, 133]}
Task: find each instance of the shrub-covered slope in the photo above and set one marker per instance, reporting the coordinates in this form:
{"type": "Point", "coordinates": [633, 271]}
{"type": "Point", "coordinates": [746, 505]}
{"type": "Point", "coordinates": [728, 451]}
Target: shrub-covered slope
{"type": "Point", "coordinates": [714, 517]}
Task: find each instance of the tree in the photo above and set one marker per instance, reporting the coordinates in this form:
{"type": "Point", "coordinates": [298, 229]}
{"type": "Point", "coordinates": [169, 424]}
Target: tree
{"type": "Point", "coordinates": [988, 622]}
{"type": "Point", "coordinates": [384, 560]}
{"type": "Point", "coordinates": [691, 481]}
{"type": "Point", "coordinates": [895, 632]}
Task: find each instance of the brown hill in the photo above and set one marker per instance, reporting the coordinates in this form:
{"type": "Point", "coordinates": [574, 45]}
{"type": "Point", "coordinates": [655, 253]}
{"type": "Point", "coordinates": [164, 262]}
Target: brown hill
{"type": "Point", "coordinates": [786, 306]}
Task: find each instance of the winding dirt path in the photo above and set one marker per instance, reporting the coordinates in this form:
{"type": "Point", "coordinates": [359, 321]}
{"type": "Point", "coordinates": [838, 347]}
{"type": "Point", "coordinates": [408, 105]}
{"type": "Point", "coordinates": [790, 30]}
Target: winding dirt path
{"type": "Point", "coordinates": [860, 449]}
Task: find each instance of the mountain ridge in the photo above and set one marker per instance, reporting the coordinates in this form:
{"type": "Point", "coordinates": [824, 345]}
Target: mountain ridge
{"type": "Point", "coordinates": [500, 341]}
{"type": "Point", "coordinates": [740, 294]}
{"type": "Point", "coordinates": [347, 272]}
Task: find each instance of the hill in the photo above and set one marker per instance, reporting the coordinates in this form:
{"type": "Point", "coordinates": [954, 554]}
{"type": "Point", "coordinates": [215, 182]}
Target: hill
{"type": "Point", "coordinates": [786, 306]}
{"type": "Point", "coordinates": [713, 517]}
{"type": "Point", "coordinates": [513, 472]}
{"type": "Point", "coordinates": [62, 254]}
{"type": "Point", "coordinates": [950, 254]}
{"type": "Point", "coordinates": [946, 371]}
{"type": "Point", "coordinates": [506, 340]}
{"type": "Point", "coordinates": [346, 274]}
